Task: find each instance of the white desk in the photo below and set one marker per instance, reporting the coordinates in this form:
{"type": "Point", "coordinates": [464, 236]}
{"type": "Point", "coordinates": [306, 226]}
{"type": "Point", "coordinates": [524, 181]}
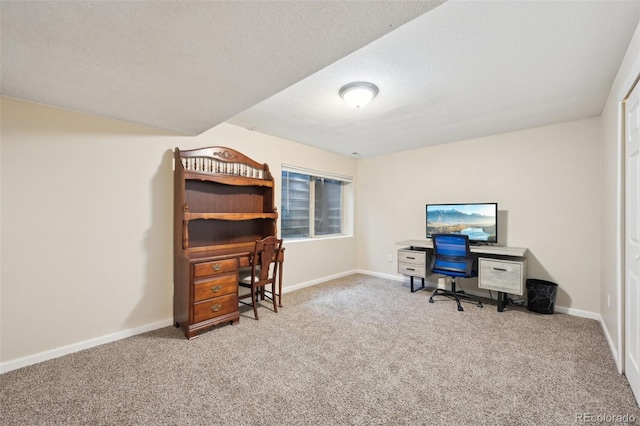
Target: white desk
{"type": "Point", "coordinates": [506, 276]}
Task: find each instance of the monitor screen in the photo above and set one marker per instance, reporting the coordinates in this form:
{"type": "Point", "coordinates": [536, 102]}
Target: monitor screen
{"type": "Point", "coordinates": [477, 220]}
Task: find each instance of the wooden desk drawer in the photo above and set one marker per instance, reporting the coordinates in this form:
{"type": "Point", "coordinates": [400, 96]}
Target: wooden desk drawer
{"type": "Point", "coordinates": [213, 268]}
{"type": "Point", "coordinates": [219, 286]}
{"type": "Point", "coordinates": [215, 307]}
{"type": "Point", "coordinates": [412, 256]}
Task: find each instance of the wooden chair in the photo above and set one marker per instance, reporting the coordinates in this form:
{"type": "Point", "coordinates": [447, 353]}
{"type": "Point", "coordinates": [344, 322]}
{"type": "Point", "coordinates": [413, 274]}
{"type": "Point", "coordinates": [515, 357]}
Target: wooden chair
{"type": "Point", "coordinates": [262, 272]}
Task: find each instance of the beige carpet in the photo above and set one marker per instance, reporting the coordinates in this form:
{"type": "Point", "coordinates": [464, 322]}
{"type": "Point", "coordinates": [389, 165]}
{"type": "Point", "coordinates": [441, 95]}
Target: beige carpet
{"type": "Point", "coordinates": [358, 350]}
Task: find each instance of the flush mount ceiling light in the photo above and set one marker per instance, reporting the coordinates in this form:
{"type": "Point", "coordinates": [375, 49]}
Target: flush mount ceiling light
{"type": "Point", "coordinates": [358, 94]}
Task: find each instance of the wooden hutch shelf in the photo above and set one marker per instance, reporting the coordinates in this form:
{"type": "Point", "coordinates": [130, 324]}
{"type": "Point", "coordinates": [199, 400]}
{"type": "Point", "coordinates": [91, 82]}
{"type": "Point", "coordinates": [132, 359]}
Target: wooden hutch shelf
{"type": "Point", "coordinates": [229, 180]}
{"type": "Point", "coordinates": [229, 216]}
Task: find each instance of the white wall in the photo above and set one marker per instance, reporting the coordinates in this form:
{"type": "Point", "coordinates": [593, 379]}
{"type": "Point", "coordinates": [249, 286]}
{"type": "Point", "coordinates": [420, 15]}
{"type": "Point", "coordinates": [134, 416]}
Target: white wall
{"type": "Point", "coordinates": [612, 200]}
{"type": "Point", "coordinates": [546, 182]}
{"type": "Point", "coordinates": [87, 225]}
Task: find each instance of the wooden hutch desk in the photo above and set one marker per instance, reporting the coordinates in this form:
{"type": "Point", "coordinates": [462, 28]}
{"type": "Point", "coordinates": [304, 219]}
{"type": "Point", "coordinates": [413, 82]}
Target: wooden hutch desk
{"type": "Point", "coordinates": [223, 203]}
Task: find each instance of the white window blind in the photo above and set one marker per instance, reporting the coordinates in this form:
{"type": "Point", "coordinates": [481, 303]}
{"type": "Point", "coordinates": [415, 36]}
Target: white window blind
{"type": "Point", "coordinates": [312, 203]}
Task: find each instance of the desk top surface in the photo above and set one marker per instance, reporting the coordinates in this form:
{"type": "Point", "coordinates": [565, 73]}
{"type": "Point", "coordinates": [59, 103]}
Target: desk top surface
{"type": "Point", "coordinates": [496, 250]}
{"type": "Point", "coordinates": [206, 254]}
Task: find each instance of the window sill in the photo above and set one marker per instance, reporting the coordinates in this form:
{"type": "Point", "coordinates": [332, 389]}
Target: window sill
{"type": "Point", "coordinates": [302, 240]}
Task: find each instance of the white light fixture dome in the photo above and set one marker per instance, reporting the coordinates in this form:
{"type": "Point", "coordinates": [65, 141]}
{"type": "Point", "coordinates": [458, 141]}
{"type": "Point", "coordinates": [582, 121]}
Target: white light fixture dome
{"type": "Point", "coordinates": [359, 93]}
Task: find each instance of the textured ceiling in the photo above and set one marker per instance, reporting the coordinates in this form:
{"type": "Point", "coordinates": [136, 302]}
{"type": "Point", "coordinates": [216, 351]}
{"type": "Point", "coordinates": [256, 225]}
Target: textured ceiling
{"type": "Point", "coordinates": [180, 65]}
{"type": "Point", "coordinates": [463, 69]}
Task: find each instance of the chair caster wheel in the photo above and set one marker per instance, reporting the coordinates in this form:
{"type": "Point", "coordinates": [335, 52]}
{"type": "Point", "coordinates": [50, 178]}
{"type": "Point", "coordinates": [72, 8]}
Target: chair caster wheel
{"type": "Point", "coordinates": [460, 308]}
{"type": "Point", "coordinates": [480, 305]}
{"type": "Point", "coordinates": [431, 300]}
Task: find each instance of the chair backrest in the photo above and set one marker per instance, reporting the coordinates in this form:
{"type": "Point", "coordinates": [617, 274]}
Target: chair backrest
{"type": "Point", "coordinates": [265, 253]}
{"type": "Point", "coordinates": [452, 255]}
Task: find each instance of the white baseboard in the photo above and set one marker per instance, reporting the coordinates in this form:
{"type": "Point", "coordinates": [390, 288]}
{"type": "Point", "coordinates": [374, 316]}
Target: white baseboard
{"type": "Point", "coordinates": [381, 275]}
{"type": "Point", "coordinates": [612, 346]}
{"type": "Point", "coordinates": [317, 281]}
{"type": "Point", "coordinates": [76, 347]}
{"type": "Point", "coordinates": [578, 313]}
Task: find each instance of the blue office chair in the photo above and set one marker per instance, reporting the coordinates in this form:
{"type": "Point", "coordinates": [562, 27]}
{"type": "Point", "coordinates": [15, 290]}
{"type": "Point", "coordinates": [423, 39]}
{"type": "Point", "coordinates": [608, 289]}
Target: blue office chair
{"type": "Point", "coordinates": [452, 257]}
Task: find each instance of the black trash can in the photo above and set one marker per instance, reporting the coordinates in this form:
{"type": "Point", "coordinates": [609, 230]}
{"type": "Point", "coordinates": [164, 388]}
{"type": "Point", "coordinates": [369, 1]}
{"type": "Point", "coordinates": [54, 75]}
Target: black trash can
{"type": "Point", "coordinates": [541, 296]}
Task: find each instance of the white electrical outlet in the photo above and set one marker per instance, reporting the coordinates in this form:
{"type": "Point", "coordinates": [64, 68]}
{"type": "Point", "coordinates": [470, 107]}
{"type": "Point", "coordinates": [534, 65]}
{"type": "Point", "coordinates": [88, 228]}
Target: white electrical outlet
{"type": "Point", "coordinates": [389, 258]}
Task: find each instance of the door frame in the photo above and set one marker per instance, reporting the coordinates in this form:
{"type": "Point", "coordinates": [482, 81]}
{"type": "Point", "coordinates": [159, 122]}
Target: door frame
{"type": "Point", "coordinates": [632, 79]}
{"type": "Point", "coordinates": [622, 282]}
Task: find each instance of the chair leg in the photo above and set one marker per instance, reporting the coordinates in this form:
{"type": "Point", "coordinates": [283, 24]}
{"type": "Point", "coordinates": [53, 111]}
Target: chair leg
{"type": "Point", "coordinates": [280, 285]}
{"type": "Point", "coordinates": [459, 305]}
{"type": "Point", "coordinates": [456, 293]}
{"type": "Point", "coordinates": [462, 295]}
{"type": "Point", "coordinates": [254, 302]}
{"type": "Point", "coordinates": [273, 294]}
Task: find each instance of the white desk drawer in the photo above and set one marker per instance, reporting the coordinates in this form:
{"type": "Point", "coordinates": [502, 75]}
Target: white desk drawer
{"type": "Point", "coordinates": [411, 270]}
{"type": "Point", "coordinates": [502, 275]}
{"type": "Point", "coordinates": [412, 256]}
{"type": "Point", "coordinates": [412, 263]}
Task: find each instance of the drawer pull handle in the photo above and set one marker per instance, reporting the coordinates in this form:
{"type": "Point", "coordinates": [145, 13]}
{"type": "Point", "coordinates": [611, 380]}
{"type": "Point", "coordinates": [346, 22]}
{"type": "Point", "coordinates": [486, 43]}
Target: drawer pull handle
{"type": "Point", "coordinates": [410, 269]}
{"type": "Point", "coordinates": [500, 269]}
{"type": "Point", "coordinates": [216, 288]}
{"type": "Point", "coordinates": [216, 307]}
{"type": "Point", "coordinates": [216, 267]}
{"type": "Point", "coordinates": [412, 258]}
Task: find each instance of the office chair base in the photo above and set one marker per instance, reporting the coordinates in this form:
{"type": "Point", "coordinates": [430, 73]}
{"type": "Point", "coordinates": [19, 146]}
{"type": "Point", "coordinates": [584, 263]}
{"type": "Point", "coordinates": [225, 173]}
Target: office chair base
{"type": "Point", "coordinates": [457, 296]}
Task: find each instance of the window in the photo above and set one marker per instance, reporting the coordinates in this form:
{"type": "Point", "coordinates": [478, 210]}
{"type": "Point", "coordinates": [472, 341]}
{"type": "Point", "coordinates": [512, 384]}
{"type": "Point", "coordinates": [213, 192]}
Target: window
{"type": "Point", "coordinates": [313, 203]}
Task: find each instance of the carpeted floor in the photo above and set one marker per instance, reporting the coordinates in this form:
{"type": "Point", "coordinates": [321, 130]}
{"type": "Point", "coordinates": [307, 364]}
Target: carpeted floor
{"type": "Point", "coordinates": [358, 350]}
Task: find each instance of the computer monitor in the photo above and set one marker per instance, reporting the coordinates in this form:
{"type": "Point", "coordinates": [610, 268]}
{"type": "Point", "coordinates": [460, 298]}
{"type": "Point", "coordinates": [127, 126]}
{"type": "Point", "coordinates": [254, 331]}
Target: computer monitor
{"type": "Point", "coordinates": [477, 220]}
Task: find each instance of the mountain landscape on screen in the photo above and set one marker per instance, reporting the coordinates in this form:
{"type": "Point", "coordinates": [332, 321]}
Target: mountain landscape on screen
{"type": "Point", "coordinates": [451, 220]}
